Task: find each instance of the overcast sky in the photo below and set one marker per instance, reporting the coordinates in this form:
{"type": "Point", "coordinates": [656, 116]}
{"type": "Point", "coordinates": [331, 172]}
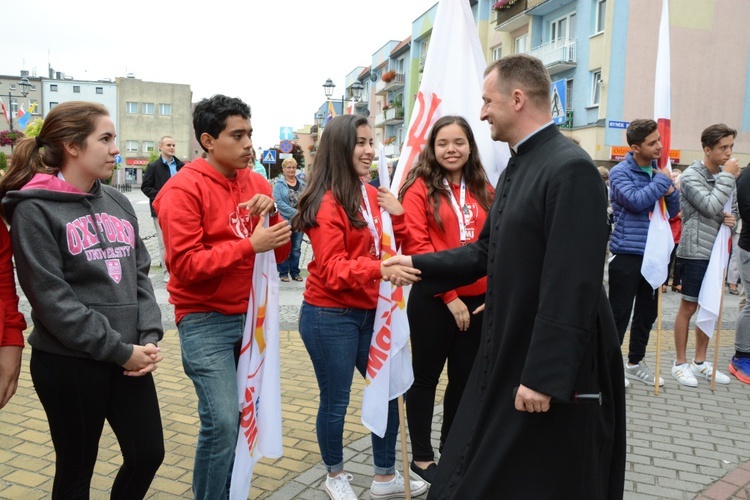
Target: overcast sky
{"type": "Point", "coordinates": [273, 54]}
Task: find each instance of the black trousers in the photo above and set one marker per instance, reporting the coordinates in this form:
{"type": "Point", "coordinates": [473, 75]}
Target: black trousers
{"type": "Point", "coordinates": [435, 338]}
{"type": "Point", "coordinates": [78, 395]}
{"type": "Point", "coordinates": [625, 285]}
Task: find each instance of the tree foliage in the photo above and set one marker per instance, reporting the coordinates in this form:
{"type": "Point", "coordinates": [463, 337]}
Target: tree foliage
{"type": "Point", "coordinates": [34, 127]}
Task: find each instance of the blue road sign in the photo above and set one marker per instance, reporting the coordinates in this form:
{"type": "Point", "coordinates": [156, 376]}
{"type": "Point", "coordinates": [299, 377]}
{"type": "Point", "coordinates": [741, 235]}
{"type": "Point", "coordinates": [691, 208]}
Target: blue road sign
{"type": "Point", "coordinates": [118, 159]}
{"type": "Point", "coordinates": [286, 134]}
{"type": "Point", "coordinates": [269, 156]}
{"type": "Point", "coordinates": [617, 124]}
{"type": "Point", "coordinates": [558, 96]}
{"type": "Point", "coordinates": [286, 146]}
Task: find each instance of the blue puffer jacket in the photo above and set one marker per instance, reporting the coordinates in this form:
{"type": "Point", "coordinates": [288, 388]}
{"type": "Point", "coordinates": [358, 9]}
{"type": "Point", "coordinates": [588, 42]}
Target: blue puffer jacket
{"type": "Point", "coordinates": [633, 197]}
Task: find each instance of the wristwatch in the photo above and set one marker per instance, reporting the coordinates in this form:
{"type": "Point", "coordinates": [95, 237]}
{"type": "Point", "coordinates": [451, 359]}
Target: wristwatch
{"type": "Point", "coordinates": [274, 211]}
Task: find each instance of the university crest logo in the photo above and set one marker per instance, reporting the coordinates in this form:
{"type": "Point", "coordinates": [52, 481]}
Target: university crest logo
{"type": "Point", "coordinates": [114, 269]}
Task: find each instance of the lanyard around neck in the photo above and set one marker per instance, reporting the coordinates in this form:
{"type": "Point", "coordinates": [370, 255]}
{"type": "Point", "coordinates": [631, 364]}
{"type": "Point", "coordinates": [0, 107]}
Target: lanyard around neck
{"type": "Point", "coordinates": [461, 209]}
{"type": "Point", "coordinates": [367, 215]}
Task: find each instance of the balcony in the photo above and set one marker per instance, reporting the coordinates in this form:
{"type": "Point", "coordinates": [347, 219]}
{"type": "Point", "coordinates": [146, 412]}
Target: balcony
{"type": "Point", "coordinates": [392, 149]}
{"type": "Point", "coordinates": [513, 18]}
{"type": "Point", "coordinates": [397, 83]}
{"type": "Point", "coordinates": [557, 56]}
{"type": "Point", "coordinates": [314, 132]}
{"type": "Point", "coordinates": [394, 116]}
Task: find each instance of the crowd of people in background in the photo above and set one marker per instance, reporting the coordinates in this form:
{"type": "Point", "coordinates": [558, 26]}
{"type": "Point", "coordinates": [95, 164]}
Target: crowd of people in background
{"type": "Point", "coordinates": [507, 288]}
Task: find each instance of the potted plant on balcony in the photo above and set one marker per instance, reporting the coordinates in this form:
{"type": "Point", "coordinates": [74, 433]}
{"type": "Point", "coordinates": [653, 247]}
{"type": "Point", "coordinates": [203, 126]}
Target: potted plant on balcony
{"type": "Point", "coordinates": [389, 140]}
{"type": "Point", "coordinates": [504, 4]}
{"type": "Point", "coordinates": [388, 76]}
{"type": "Point", "coordinates": [387, 106]}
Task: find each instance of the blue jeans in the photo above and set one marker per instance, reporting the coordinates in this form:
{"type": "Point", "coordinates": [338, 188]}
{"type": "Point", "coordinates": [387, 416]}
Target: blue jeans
{"type": "Point", "coordinates": [291, 264]}
{"type": "Point", "coordinates": [338, 340]}
{"type": "Point", "coordinates": [210, 344]}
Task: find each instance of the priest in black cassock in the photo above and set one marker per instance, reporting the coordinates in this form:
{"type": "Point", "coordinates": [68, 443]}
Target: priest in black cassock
{"type": "Point", "coordinates": [548, 327]}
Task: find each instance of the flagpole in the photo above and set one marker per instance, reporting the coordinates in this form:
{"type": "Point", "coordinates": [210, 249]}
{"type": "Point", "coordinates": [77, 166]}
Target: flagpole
{"type": "Point", "coordinates": [404, 457]}
{"type": "Point", "coordinates": [658, 342]}
{"type": "Point", "coordinates": [718, 332]}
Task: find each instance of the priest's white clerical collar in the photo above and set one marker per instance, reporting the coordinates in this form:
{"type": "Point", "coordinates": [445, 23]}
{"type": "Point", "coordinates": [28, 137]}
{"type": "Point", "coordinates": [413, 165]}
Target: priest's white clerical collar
{"type": "Point", "coordinates": [518, 144]}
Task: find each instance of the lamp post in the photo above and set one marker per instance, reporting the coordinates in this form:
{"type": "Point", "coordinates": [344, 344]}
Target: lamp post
{"type": "Point", "coordinates": [356, 90]}
{"type": "Point", "coordinates": [25, 85]}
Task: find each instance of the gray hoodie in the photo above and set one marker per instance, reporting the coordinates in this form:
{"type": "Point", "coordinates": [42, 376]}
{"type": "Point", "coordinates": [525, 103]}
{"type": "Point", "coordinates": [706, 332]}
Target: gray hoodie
{"type": "Point", "coordinates": [83, 268]}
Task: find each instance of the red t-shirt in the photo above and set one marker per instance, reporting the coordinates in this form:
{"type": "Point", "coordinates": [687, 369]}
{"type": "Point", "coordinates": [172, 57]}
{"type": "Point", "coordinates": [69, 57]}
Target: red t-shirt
{"type": "Point", "coordinates": [425, 236]}
{"type": "Point", "coordinates": [344, 271]}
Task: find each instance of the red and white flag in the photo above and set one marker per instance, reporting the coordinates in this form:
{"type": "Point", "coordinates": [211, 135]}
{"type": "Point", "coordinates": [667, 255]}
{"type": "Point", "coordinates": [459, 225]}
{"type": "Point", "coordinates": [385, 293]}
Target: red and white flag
{"type": "Point", "coordinates": [5, 111]}
{"type": "Point", "coordinates": [452, 85]}
{"type": "Point", "coordinates": [709, 298]}
{"type": "Point", "coordinates": [389, 371]}
{"type": "Point", "coordinates": [659, 241]}
{"type": "Point", "coordinates": [258, 377]}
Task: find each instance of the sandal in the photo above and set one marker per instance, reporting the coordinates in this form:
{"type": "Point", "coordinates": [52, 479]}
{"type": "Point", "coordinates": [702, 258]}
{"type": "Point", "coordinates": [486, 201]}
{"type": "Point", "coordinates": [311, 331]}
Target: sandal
{"type": "Point", "coordinates": [285, 279]}
{"type": "Point", "coordinates": [297, 278]}
{"type": "Point", "coordinates": [734, 291]}
{"type": "Point", "coordinates": [664, 289]}
{"type": "Point", "coordinates": [677, 288]}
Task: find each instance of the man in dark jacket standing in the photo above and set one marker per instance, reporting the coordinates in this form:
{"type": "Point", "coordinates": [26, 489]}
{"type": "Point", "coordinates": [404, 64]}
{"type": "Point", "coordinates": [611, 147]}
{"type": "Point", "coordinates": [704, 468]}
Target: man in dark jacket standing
{"type": "Point", "coordinates": [548, 332]}
{"type": "Point", "coordinates": [156, 175]}
{"type": "Point", "coordinates": [635, 185]}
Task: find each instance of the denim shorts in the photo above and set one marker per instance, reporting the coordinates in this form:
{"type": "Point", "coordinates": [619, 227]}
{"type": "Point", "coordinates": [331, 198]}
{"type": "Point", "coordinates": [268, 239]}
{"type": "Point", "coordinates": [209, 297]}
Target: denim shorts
{"type": "Point", "coordinates": [691, 275]}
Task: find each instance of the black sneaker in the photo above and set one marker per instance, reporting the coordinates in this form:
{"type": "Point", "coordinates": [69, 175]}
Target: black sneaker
{"type": "Point", "coordinates": [427, 475]}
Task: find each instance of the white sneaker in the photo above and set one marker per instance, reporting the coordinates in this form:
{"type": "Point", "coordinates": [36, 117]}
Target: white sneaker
{"type": "Point", "coordinates": [395, 488]}
{"type": "Point", "coordinates": [338, 487]}
{"type": "Point", "coordinates": [627, 383]}
{"type": "Point", "coordinates": [641, 373]}
{"type": "Point", "coordinates": [684, 375]}
{"type": "Point", "coordinates": [704, 371]}
{"type": "Point", "coordinates": [166, 277]}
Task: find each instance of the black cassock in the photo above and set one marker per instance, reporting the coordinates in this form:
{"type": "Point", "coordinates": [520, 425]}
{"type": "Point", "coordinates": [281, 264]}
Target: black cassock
{"type": "Point", "coordinates": [548, 326]}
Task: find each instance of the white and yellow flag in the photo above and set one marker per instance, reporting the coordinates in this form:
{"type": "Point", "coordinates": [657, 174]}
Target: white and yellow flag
{"type": "Point", "coordinates": [712, 286]}
{"type": "Point", "coordinates": [452, 85]}
{"type": "Point", "coordinates": [659, 240]}
{"type": "Point", "coordinates": [389, 371]}
{"type": "Point", "coordinates": [258, 377]}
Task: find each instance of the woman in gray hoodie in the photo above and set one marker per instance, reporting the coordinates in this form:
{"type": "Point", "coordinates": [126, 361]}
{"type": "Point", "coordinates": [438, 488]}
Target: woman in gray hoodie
{"type": "Point", "coordinates": [84, 270]}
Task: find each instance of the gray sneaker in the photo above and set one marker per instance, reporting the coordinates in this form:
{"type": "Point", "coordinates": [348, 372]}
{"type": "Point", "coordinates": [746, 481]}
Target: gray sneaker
{"type": "Point", "coordinates": [641, 373]}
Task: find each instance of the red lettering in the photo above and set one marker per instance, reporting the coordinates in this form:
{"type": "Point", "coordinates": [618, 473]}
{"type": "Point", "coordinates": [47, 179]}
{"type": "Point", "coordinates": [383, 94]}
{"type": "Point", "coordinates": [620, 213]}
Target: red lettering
{"type": "Point", "coordinates": [247, 420]}
{"type": "Point", "coordinates": [375, 361]}
{"type": "Point", "coordinates": [75, 245]}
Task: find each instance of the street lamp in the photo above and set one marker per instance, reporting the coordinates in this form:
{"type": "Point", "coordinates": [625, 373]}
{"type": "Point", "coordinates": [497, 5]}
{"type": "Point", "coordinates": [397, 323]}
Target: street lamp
{"type": "Point", "coordinates": [25, 85]}
{"type": "Point", "coordinates": [319, 119]}
{"type": "Point", "coordinates": [356, 90]}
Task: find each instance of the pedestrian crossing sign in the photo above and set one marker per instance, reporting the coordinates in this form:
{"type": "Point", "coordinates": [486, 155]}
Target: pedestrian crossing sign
{"type": "Point", "coordinates": [269, 156]}
{"type": "Point", "coordinates": [558, 98]}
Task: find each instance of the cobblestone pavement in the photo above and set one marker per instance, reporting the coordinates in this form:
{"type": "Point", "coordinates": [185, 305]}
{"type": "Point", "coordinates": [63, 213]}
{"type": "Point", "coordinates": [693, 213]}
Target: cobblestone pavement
{"type": "Point", "coordinates": [684, 443]}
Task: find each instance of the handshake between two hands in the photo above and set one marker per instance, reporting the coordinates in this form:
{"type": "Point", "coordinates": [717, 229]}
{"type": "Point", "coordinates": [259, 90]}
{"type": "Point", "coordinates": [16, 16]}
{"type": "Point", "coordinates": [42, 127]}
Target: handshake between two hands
{"type": "Point", "coordinates": [399, 270]}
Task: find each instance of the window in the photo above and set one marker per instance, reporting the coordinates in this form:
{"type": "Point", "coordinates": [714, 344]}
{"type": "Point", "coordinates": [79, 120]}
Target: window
{"type": "Point", "coordinates": [520, 44]}
{"type": "Point", "coordinates": [131, 146]}
{"type": "Point", "coordinates": [34, 104]}
{"type": "Point", "coordinates": [148, 146]}
{"type": "Point", "coordinates": [601, 7]}
{"type": "Point", "coordinates": [99, 90]}
{"type": "Point", "coordinates": [165, 109]}
{"type": "Point", "coordinates": [398, 66]}
{"type": "Point", "coordinates": [596, 86]}
{"type": "Point", "coordinates": [148, 108]}
{"type": "Point", "coordinates": [497, 53]}
{"type": "Point", "coordinates": [53, 87]}
{"type": "Point", "coordinates": [563, 29]}
{"type": "Point", "coordinates": [569, 94]}
{"type": "Point", "coordinates": [52, 105]}
{"type": "Point", "coordinates": [131, 107]}
{"type": "Point", "coordinates": [76, 89]}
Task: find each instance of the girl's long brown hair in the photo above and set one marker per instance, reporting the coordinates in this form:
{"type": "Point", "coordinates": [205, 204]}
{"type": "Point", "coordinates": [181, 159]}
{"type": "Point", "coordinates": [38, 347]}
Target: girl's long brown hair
{"type": "Point", "coordinates": [333, 169]}
{"type": "Point", "coordinates": [68, 123]}
{"type": "Point", "coordinates": [429, 170]}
